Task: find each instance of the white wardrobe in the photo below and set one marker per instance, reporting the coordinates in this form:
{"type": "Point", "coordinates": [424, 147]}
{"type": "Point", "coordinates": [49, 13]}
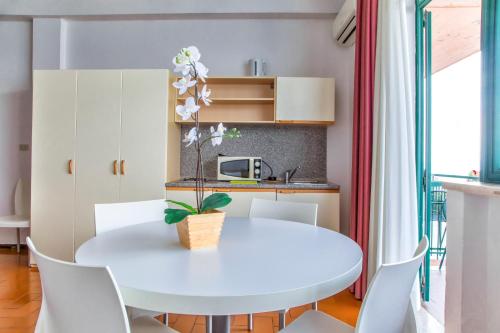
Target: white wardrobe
{"type": "Point", "coordinates": [99, 136]}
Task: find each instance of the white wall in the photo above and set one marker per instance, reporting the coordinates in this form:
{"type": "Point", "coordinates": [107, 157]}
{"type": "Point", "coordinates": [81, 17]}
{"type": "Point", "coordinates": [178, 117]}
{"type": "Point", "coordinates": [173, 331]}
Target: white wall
{"type": "Point", "coordinates": [15, 112]}
{"type": "Point", "coordinates": [456, 102]}
{"type": "Point", "coordinates": [293, 47]}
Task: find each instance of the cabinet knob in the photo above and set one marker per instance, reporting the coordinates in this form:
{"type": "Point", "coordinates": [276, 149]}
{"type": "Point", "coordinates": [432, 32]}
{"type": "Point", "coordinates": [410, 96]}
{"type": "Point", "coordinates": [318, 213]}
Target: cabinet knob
{"type": "Point", "coordinates": [122, 167]}
{"type": "Point", "coordinates": [115, 167]}
{"type": "Point", "coordinates": [70, 167]}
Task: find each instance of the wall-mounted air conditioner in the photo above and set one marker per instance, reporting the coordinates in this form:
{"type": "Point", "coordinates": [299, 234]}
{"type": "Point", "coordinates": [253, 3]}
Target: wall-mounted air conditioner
{"type": "Point", "coordinates": [344, 25]}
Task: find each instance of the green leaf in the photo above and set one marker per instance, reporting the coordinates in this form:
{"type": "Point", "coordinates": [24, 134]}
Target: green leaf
{"type": "Point", "coordinates": [185, 205]}
{"type": "Point", "coordinates": [214, 201]}
{"type": "Point", "coordinates": [175, 215]}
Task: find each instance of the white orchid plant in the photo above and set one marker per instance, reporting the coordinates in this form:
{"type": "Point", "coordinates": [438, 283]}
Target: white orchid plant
{"type": "Point", "coordinates": [193, 76]}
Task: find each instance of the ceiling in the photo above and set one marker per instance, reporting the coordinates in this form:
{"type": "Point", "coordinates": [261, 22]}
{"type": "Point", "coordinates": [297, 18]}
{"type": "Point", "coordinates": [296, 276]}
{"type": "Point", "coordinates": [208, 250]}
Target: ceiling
{"type": "Point", "coordinates": [456, 31]}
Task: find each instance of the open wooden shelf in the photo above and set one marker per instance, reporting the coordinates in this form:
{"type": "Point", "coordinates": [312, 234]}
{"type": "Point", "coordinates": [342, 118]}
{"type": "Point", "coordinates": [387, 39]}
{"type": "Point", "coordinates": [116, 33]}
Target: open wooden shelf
{"type": "Point", "coordinates": [237, 100]}
{"type": "Point", "coordinates": [235, 113]}
{"type": "Point", "coordinates": [241, 80]}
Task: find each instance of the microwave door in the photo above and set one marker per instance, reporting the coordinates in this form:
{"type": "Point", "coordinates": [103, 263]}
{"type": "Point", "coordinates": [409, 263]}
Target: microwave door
{"type": "Point", "coordinates": [236, 168]}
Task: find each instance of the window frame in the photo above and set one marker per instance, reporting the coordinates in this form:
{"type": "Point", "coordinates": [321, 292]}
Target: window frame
{"type": "Point", "coordinates": [490, 91]}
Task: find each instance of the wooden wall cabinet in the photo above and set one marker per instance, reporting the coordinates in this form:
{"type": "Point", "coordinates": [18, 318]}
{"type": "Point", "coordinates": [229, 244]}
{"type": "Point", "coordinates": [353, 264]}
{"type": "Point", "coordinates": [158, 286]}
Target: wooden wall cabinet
{"type": "Point", "coordinates": [267, 100]}
{"type": "Point", "coordinates": [99, 136]}
{"type": "Point", "coordinates": [303, 100]}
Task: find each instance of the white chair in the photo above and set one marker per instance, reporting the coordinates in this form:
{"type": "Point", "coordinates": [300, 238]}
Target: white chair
{"type": "Point", "coordinates": [384, 308]}
{"type": "Point", "coordinates": [20, 219]}
{"type": "Point", "coordinates": [123, 214]}
{"type": "Point", "coordinates": [82, 299]}
{"type": "Point", "coordinates": [283, 210]}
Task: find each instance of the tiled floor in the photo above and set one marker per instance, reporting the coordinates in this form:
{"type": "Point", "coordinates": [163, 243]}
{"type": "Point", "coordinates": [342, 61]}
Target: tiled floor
{"type": "Point", "coordinates": [20, 297]}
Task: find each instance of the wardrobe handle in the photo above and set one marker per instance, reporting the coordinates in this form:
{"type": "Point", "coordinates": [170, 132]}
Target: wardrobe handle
{"type": "Point", "coordinates": [70, 167]}
{"type": "Point", "coordinates": [122, 167]}
{"type": "Point", "coordinates": [115, 167]}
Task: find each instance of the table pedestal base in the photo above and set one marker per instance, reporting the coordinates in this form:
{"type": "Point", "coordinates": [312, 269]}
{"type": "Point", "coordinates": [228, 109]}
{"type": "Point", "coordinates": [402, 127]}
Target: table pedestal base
{"type": "Point", "coordinates": [218, 324]}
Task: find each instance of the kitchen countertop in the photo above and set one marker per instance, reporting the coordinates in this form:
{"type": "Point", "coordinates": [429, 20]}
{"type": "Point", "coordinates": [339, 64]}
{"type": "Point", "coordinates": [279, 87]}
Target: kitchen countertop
{"type": "Point", "coordinates": [279, 185]}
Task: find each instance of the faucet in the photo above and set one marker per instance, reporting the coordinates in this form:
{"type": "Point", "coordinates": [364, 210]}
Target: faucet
{"type": "Point", "coordinates": [290, 173]}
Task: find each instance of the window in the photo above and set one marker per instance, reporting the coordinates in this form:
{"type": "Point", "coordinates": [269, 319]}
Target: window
{"type": "Point", "coordinates": [490, 94]}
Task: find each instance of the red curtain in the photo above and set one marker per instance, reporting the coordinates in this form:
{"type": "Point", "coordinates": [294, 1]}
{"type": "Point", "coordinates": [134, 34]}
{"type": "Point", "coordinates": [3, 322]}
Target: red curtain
{"type": "Point", "coordinates": [364, 75]}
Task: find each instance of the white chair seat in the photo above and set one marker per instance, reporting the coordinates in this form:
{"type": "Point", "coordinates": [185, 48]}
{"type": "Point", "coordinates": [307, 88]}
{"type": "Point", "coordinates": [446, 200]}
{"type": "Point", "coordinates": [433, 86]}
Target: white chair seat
{"type": "Point", "coordinates": [14, 221]}
{"type": "Point", "coordinates": [147, 324]}
{"type": "Point", "coordinates": [385, 305]}
{"type": "Point", "coordinates": [317, 322]}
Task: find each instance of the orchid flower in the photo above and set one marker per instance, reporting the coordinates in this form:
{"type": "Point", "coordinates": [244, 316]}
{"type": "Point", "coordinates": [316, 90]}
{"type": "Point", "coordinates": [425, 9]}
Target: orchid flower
{"type": "Point", "coordinates": [191, 136]}
{"type": "Point", "coordinates": [201, 70]}
{"type": "Point", "coordinates": [184, 69]}
{"type": "Point", "coordinates": [181, 62]}
{"type": "Point", "coordinates": [184, 84]}
{"type": "Point", "coordinates": [186, 59]}
{"type": "Point", "coordinates": [186, 110]}
{"type": "Point", "coordinates": [192, 53]}
{"type": "Point", "coordinates": [192, 73]}
{"type": "Point", "coordinates": [217, 135]}
{"type": "Point", "coordinates": [205, 94]}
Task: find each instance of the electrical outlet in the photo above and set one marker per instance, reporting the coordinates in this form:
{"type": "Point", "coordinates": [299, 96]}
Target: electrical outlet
{"type": "Point", "coordinates": [24, 147]}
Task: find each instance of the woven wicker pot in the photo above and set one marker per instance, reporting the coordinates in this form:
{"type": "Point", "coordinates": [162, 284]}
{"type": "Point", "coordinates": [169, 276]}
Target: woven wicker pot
{"type": "Point", "coordinates": [202, 230]}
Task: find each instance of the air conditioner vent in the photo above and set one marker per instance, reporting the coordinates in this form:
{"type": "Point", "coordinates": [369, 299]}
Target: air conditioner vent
{"type": "Point", "coordinates": [344, 25]}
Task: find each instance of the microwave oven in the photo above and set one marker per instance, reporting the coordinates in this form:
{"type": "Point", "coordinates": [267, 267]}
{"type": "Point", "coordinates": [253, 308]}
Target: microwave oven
{"type": "Point", "coordinates": [239, 168]}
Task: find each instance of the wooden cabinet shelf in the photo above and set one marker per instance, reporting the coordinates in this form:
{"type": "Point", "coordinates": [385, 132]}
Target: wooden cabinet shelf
{"type": "Point", "coordinates": [267, 100]}
{"type": "Point", "coordinates": [235, 101]}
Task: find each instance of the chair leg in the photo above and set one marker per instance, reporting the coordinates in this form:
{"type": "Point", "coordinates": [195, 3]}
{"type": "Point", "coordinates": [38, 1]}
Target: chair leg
{"type": "Point", "coordinates": [208, 324]}
{"type": "Point", "coordinates": [282, 319]}
{"type": "Point", "coordinates": [250, 321]}
{"type": "Point", "coordinates": [18, 240]}
{"type": "Point", "coordinates": [314, 306]}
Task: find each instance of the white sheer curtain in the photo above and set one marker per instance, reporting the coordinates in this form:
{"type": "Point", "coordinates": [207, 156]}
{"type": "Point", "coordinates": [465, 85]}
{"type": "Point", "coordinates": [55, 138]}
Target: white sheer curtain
{"type": "Point", "coordinates": [393, 215]}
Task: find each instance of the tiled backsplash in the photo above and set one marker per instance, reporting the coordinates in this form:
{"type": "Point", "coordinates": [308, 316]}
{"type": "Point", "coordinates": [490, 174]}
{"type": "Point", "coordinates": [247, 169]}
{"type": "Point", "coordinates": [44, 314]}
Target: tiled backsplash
{"type": "Point", "coordinates": [283, 147]}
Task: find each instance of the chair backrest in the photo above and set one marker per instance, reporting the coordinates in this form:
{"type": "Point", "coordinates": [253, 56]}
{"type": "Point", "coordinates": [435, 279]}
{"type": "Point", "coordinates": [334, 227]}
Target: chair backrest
{"type": "Point", "coordinates": [284, 210]}
{"type": "Point", "coordinates": [388, 297]}
{"type": "Point", "coordinates": [20, 202]}
{"type": "Point", "coordinates": [78, 299]}
{"type": "Point", "coordinates": [118, 215]}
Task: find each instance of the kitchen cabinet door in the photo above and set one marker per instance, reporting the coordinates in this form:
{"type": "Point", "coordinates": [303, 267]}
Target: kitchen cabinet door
{"type": "Point", "coordinates": [184, 194]}
{"type": "Point", "coordinates": [328, 204]}
{"type": "Point", "coordinates": [305, 100]}
{"type": "Point", "coordinates": [242, 199]}
{"type": "Point", "coordinates": [143, 135]}
{"type": "Point", "coordinates": [97, 146]}
{"type": "Point", "coordinates": [52, 181]}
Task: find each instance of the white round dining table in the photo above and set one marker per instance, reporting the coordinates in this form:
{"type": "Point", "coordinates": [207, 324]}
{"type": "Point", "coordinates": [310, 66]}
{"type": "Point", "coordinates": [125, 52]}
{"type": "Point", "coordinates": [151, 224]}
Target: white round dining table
{"type": "Point", "coordinates": [259, 265]}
